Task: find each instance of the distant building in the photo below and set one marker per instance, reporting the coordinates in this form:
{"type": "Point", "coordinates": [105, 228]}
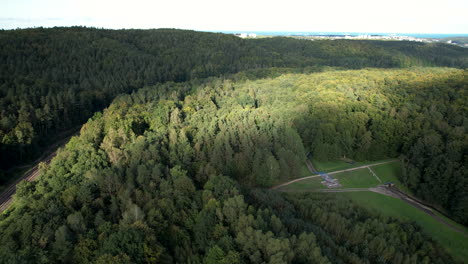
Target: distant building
{"type": "Point", "coordinates": [246, 35]}
{"type": "Point", "coordinates": [241, 35]}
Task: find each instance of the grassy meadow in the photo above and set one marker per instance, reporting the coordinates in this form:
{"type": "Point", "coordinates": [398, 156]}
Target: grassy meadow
{"type": "Point", "coordinates": [361, 178]}
{"type": "Point", "coordinates": [455, 243]}
{"type": "Point", "coordinates": [334, 165]}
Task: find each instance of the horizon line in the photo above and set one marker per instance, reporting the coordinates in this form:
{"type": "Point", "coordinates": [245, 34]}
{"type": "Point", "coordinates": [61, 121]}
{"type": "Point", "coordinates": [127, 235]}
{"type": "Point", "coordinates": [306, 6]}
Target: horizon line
{"type": "Point", "coordinates": [232, 31]}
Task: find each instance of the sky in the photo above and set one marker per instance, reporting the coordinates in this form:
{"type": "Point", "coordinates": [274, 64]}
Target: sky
{"type": "Point", "coordinates": [389, 16]}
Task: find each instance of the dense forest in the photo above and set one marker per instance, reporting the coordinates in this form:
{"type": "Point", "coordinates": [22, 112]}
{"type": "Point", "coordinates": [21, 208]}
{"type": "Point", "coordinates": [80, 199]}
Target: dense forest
{"type": "Point", "coordinates": [172, 173]}
{"type": "Point", "coordinates": [53, 80]}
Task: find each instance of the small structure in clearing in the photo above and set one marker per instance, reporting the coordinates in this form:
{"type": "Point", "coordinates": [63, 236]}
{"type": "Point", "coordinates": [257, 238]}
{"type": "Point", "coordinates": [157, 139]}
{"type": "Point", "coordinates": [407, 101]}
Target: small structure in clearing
{"type": "Point", "coordinates": [328, 181]}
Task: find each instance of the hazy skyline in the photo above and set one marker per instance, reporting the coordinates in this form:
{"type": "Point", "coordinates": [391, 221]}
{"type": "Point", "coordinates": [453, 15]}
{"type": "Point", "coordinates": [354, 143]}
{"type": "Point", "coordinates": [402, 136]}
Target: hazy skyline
{"type": "Point", "coordinates": [399, 16]}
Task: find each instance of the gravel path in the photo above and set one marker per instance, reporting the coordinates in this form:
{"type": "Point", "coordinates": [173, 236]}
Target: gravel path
{"type": "Point", "coordinates": [312, 170]}
{"type": "Point", "coordinates": [382, 189]}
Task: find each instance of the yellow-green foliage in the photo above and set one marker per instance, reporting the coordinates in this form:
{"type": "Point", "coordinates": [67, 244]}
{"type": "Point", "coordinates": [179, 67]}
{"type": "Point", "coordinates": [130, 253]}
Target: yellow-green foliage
{"type": "Point", "coordinates": [165, 174]}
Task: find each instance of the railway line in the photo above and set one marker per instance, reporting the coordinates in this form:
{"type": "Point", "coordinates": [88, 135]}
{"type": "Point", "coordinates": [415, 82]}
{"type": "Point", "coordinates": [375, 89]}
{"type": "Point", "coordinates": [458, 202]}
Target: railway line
{"type": "Point", "coordinates": [6, 196]}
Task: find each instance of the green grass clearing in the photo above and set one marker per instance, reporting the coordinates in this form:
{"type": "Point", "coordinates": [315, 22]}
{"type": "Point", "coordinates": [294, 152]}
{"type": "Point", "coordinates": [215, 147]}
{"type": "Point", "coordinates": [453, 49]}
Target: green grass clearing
{"type": "Point", "coordinates": [389, 173]}
{"type": "Point", "coordinates": [305, 171]}
{"type": "Point", "coordinates": [454, 242]}
{"type": "Point", "coordinates": [305, 185]}
{"type": "Point", "coordinates": [334, 165]}
{"type": "Point", "coordinates": [450, 221]}
{"type": "Point", "coordinates": [361, 178]}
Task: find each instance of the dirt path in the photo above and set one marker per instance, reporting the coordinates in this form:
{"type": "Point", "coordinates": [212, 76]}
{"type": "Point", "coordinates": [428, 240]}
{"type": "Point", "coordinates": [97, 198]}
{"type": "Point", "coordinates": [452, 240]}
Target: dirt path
{"type": "Point", "coordinates": [6, 197]}
{"type": "Point", "coordinates": [293, 181]}
{"type": "Point", "coordinates": [311, 167]}
{"type": "Point", "coordinates": [312, 170]}
{"type": "Point", "coordinates": [344, 190]}
{"type": "Point", "coordinates": [392, 192]}
{"type": "Point", "coordinates": [361, 167]}
{"type": "Point", "coordinates": [396, 193]}
{"type": "Point", "coordinates": [375, 175]}
{"type": "Point", "coordinates": [388, 191]}
{"type": "Point", "coordinates": [426, 209]}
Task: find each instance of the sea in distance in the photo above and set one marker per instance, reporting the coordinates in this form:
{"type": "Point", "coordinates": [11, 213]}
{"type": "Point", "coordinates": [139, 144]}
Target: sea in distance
{"type": "Point", "coordinates": [304, 33]}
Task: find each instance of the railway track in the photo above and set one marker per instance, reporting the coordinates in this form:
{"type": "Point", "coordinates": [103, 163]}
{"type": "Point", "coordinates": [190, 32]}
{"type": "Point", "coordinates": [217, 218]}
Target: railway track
{"type": "Point", "coordinates": [6, 197]}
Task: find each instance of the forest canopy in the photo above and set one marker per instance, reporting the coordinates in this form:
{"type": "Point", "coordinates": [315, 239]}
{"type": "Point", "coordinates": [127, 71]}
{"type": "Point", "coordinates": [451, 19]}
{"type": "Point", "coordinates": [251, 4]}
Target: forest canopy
{"type": "Point", "coordinates": [173, 172]}
{"type": "Point", "coordinates": [53, 80]}
{"type": "Point", "coordinates": [185, 131]}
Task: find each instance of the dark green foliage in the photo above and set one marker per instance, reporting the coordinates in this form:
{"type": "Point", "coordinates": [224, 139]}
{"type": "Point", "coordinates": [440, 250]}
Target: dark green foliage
{"type": "Point", "coordinates": [52, 80]}
{"type": "Point", "coordinates": [164, 175]}
{"type": "Point", "coordinates": [347, 232]}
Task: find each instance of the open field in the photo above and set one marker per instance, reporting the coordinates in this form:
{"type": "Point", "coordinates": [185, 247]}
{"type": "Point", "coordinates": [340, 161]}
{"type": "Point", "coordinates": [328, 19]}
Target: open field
{"type": "Point", "coordinates": [361, 178]}
{"type": "Point", "coordinates": [305, 185]}
{"type": "Point", "coordinates": [328, 166]}
{"type": "Point", "coordinates": [455, 243]}
{"type": "Point", "coordinates": [389, 173]}
{"type": "Point", "coordinates": [304, 172]}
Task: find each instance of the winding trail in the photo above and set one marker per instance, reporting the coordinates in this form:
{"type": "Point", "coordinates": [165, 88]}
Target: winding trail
{"type": "Point", "coordinates": [293, 181]}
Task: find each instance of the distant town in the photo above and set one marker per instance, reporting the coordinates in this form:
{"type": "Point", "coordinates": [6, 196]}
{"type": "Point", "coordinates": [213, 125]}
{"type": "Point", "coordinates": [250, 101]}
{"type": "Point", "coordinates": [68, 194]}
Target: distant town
{"type": "Point", "coordinates": [459, 41]}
